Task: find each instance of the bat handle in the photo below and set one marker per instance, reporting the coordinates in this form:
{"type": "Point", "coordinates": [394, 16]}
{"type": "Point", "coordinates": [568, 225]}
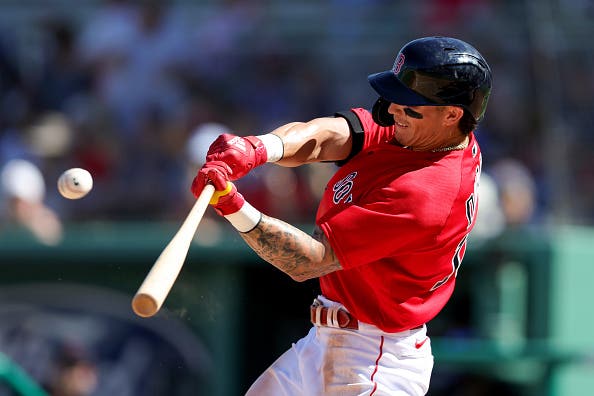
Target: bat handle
{"type": "Point", "coordinates": [157, 284]}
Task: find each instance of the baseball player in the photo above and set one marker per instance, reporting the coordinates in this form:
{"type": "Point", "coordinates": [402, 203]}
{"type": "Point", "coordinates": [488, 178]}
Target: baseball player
{"type": "Point", "coordinates": [391, 228]}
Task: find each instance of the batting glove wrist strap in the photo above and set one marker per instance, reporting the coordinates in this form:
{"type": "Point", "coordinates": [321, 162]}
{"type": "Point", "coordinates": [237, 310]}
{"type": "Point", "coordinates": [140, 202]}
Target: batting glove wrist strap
{"type": "Point", "coordinates": [245, 219]}
{"type": "Point", "coordinates": [274, 146]}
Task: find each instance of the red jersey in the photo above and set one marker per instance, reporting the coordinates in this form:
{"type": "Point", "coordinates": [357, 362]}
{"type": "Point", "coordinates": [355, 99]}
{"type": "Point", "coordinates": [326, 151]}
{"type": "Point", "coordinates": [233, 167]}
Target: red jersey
{"type": "Point", "coordinates": [398, 221]}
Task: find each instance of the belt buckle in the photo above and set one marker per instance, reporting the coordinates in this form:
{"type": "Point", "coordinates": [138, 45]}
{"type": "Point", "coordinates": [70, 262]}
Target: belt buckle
{"type": "Point", "coordinates": [329, 316]}
{"type": "Point", "coordinates": [316, 316]}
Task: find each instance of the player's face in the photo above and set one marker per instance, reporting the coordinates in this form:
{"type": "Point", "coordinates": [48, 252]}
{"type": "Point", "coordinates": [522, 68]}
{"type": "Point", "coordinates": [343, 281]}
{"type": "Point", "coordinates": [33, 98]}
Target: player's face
{"type": "Point", "coordinates": [424, 127]}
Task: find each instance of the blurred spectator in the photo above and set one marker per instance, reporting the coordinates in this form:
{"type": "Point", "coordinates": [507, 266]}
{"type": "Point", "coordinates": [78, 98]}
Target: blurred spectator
{"type": "Point", "coordinates": [138, 51]}
{"type": "Point", "coordinates": [448, 14]}
{"type": "Point", "coordinates": [109, 32]}
{"type": "Point", "coordinates": [22, 194]}
{"type": "Point", "coordinates": [50, 135]}
{"type": "Point", "coordinates": [129, 80]}
{"type": "Point", "coordinates": [490, 220]}
{"type": "Point", "coordinates": [517, 191]}
{"type": "Point", "coordinates": [220, 41]}
{"type": "Point", "coordinates": [74, 374]}
{"type": "Point", "coordinates": [62, 76]}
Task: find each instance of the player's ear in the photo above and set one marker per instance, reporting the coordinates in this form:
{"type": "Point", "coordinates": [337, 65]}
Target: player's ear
{"type": "Point", "coordinates": [452, 115]}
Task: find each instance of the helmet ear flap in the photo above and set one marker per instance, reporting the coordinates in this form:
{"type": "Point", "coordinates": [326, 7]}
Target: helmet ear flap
{"type": "Point", "coordinates": [380, 114]}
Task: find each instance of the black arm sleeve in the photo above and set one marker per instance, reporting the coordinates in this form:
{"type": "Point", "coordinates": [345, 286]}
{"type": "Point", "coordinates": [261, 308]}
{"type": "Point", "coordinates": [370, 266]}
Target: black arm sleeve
{"type": "Point", "coordinates": [356, 133]}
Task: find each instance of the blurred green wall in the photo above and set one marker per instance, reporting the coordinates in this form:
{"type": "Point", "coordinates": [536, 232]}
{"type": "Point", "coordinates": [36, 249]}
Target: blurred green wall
{"type": "Point", "coordinates": [572, 309]}
{"type": "Point", "coordinates": [519, 318]}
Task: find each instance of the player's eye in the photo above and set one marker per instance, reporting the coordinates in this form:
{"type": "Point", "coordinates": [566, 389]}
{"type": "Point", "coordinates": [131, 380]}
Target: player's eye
{"type": "Point", "coordinates": [411, 113]}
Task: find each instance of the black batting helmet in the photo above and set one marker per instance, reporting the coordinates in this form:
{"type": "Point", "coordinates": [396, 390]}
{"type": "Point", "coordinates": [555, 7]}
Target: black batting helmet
{"type": "Point", "coordinates": [434, 71]}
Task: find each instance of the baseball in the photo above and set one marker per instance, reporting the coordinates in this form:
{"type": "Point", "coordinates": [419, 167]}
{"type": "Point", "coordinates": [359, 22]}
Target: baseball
{"type": "Point", "coordinates": [75, 183]}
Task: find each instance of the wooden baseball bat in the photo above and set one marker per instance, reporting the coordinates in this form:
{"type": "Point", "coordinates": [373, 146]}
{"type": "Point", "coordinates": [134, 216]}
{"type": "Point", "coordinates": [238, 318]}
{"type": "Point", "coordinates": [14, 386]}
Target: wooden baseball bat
{"type": "Point", "coordinates": [160, 279]}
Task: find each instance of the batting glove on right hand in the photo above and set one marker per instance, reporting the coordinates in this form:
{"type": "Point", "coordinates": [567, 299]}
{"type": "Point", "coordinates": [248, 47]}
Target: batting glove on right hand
{"type": "Point", "coordinates": [241, 154]}
{"type": "Point", "coordinates": [226, 199]}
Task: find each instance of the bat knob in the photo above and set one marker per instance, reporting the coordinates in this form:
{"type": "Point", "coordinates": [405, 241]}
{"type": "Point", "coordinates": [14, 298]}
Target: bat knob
{"type": "Point", "coordinates": [144, 305]}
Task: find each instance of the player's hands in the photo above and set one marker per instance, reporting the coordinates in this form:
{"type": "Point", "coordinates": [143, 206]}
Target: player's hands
{"type": "Point", "coordinates": [226, 199]}
{"type": "Point", "coordinates": [215, 173]}
{"type": "Point", "coordinates": [241, 154]}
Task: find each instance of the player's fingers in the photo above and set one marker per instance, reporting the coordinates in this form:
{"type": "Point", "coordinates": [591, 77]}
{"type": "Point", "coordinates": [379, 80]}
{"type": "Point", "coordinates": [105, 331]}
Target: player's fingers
{"type": "Point", "coordinates": [220, 144]}
{"type": "Point", "coordinates": [208, 176]}
{"type": "Point", "coordinates": [217, 178]}
{"type": "Point", "coordinates": [215, 173]}
{"type": "Point", "coordinates": [215, 156]}
{"type": "Point", "coordinates": [198, 184]}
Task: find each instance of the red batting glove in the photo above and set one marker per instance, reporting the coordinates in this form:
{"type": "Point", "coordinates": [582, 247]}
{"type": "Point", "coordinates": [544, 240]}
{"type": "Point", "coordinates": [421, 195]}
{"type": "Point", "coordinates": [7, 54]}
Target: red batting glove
{"type": "Point", "coordinates": [215, 173]}
{"type": "Point", "coordinates": [226, 199]}
{"type": "Point", "coordinates": [241, 154]}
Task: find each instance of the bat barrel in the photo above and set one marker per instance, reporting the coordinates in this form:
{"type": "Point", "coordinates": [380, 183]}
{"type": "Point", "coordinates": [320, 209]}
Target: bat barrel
{"type": "Point", "coordinates": [144, 305]}
{"type": "Point", "coordinates": [153, 291]}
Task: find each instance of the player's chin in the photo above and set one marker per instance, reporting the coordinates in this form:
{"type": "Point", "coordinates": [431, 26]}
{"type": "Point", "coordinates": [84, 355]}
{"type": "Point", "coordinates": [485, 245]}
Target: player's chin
{"type": "Point", "coordinates": [400, 139]}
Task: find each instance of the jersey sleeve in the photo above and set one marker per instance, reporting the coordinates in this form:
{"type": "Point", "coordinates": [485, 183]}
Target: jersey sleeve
{"type": "Point", "coordinates": [364, 131]}
{"type": "Point", "coordinates": [357, 134]}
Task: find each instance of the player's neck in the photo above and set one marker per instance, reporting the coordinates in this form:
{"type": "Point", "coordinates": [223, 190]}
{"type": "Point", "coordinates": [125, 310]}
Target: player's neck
{"type": "Point", "coordinates": [458, 144]}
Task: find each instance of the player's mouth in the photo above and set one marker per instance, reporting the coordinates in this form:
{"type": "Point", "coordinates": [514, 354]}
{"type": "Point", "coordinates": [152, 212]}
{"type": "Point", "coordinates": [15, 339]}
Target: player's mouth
{"type": "Point", "coordinates": [400, 125]}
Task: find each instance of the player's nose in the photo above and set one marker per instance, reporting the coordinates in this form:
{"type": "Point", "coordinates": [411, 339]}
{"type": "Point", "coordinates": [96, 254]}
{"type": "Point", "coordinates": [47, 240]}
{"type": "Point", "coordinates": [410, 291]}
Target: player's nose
{"type": "Point", "coordinates": [395, 109]}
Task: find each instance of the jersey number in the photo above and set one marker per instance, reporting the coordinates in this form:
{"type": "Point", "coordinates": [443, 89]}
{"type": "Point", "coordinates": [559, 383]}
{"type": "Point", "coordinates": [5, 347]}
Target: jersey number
{"type": "Point", "coordinates": [471, 207]}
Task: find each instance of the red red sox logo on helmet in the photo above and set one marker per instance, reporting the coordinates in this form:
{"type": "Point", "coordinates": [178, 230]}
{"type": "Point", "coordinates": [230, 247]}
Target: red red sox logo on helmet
{"type": "Point", "coordinates": [342, 189]}
{"type": "Point", "coordinates": [398, 64]}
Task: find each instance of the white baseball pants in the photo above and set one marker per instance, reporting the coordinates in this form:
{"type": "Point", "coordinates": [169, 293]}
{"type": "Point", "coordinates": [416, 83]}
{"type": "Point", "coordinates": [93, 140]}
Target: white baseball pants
{"type": "Point", "coordinates": [367, 361]}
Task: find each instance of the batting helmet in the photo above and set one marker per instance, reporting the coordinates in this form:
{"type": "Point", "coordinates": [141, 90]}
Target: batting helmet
{"type": "Point", "coordinates": [434, 71]}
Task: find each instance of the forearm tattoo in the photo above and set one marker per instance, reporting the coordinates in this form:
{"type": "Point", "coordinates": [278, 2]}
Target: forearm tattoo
{"type": "Point", "coordinates": [291, 250]}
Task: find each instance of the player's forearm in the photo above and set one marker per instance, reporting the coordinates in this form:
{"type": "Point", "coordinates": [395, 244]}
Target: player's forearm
{"type": "Point", "coordinates": [291, 250]}
{"type": "Point", "coordinates": [321, 139]}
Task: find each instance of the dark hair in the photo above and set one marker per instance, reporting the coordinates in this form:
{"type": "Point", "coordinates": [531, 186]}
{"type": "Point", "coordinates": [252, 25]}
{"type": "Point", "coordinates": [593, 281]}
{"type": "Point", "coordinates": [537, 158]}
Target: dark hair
{"type": "Point", "coordinates": [467, 123]}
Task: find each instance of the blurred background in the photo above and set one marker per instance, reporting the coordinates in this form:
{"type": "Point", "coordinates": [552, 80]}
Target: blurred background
{"type": "Point", "coordinates": [135, 90]}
